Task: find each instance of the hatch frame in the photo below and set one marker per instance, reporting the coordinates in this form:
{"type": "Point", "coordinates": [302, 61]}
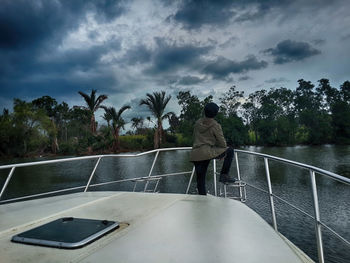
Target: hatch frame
{"type": "Point", "coordinates": [27, 237]}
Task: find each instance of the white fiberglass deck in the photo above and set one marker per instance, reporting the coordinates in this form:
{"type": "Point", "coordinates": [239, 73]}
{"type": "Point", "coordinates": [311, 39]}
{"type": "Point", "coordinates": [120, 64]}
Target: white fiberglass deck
{"type": "Point", "coordinates": [163, 228]}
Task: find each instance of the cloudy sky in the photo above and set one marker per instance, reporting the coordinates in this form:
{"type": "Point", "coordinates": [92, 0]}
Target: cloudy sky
{"type": "Point", "coordinates": [127, 48]}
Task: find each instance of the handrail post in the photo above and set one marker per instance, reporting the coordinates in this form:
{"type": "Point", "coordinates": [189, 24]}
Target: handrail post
{"type": "Point", "coordinates": [92, 174]}
{"type": "Point", "coordinates": [318, 229]}
{"type": "Point", "coordinates": [272, 206]}
{"type": "Point", "coordinates": [214, 168]}
{"type": "Point", "coordinates": [7, 181]}
{"type": "Point", "coordinates": [189, 183]}
{"type": "Point", "coordinates": [237, 166]}
{"type": "Point", "coordinates": [238, 175]}
{"type": "Point", "coordinates": [150, 172]}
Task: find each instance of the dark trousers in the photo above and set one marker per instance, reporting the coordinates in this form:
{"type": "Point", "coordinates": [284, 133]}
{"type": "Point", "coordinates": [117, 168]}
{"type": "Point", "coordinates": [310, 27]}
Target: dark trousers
{"type": "Point", "coordinates": [202, 166]}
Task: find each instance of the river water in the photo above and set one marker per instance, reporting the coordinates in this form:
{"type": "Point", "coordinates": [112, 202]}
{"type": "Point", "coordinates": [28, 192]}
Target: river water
{"type": "Point", "coordinates": [290, 183]}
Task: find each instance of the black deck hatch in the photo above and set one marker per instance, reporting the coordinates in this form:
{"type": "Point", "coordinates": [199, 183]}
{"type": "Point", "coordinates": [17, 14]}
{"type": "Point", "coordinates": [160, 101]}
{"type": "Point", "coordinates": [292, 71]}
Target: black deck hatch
{"type": "Point", "coordinates": [67, 232]}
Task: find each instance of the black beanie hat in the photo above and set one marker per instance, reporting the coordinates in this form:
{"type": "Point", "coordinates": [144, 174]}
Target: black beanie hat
{"type": "Point", "coordinates": [211, 109]}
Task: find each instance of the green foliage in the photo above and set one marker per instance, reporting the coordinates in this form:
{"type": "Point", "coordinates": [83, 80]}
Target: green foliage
{"type": "Point", "coordinates": [191, 111]}
{"type": "Point", "coordinates": [171, 138]}
{"type": "Point", "coordinates": [157, 103]}
{"type": "Point", "coordinates": [285, 131]}
{"type": "Point", "coordinates": [136, 142]}
{"type": "Point", "coordinates": [137, 124]}
{"type": "Point", "coordinates": [92, 105]}
{"type": "Point", "coordinates": [234, 130]}
{"type": "Point", "coordinates": [307, 115]}
{"type": "Point", "coordinates": [251, 137]}
{"type": "Point", "coordinates": [341, 122]}
{"type": "Point", "coordinates": [231, 101]}
{"type": "Point", "coordinates": [191, 106]}
{"type": "Point", "coordinates": [270, 116]}
{"type": "Point", "coordinates": [117, 122]}
{"type": "Point", "coordinates": [28, 129]}
{"type": "Point", "coordinates": [183, 140]}
{"type": "Point", "coordinates": [69, 148]}
{"type": "Point", "coordinates": [302, 134]}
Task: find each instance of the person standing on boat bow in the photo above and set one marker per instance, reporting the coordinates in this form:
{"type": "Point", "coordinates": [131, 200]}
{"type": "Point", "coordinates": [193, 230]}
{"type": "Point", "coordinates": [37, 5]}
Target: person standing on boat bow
{"type": "Point", "coordinates": [209, 143]}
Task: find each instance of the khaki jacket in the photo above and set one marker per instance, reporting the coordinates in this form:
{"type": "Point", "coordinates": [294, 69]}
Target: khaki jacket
{"type": "Point", "coordinates": [209, 141]}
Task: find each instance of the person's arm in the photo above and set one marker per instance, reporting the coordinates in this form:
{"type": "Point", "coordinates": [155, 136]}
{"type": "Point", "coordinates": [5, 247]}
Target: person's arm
{"type": "Point", "coordinates": [220, 139]}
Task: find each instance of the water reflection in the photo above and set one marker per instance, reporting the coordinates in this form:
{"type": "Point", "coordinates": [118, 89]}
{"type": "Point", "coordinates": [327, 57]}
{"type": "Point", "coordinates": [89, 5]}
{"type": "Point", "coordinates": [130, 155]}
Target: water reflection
{"type": "Point", "coordinates": [293, 185]}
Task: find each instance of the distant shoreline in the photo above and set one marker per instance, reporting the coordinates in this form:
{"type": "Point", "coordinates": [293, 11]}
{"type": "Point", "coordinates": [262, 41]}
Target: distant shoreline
{"type": "Point", "coordinates": [7, 159]}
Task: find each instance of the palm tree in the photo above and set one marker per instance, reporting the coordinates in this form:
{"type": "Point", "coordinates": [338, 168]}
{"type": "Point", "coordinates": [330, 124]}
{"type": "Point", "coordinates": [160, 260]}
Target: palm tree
{"type": "Point", "coordinates": [136, 123]}
{"type": "Point", "coordinates": [107, 117]}
{"type": "Point", "coordinates": [117, 122]}
{"type": "Point", "coordinates": [93, 104]}
{"type": "Point", "coordinates": [157, 102]}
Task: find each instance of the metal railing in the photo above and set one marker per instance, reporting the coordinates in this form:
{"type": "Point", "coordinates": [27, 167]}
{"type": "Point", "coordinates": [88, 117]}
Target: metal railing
{"type": "Point", "coordinates": [88, 185]}
{"type": "Point", "coordinates": [312, 171]}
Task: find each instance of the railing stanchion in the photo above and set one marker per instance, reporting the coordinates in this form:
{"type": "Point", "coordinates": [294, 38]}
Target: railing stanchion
{"type": "Point", "coordinates": [272, 205]}
{"type": "Point", "coordinates": [7, 181]}
{"type": "Point", "coordinates": [237, 166]}
{"type": "Point", "coordinates": [189, 183]}
{"type": "Point", "coordinates": [238, 175]}
{"type": "Point", "coordinates": [318, 226]}
{"type": "Point", "coordinates": [214, 168]}
{"type": "Point", "coordinates": [150, 172]}
{"type": "Point", "coordinates": [92, 174]}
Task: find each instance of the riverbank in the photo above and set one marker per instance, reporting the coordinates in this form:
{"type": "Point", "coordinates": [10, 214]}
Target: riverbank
{"type": "Point", "coordinates": [277, 150]}
{"type": "Point", "coordinates": [45, 156]}
{"type": "Point", "coordinates": [125, 148]}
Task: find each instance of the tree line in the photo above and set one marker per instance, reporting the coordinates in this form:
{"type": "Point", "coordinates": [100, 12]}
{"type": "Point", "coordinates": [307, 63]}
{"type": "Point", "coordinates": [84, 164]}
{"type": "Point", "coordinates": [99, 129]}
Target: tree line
{"type": "Point", "coordinates": [277, 117]}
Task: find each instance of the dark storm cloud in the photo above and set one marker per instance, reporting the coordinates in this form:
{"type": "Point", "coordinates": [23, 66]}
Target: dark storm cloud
{"type": "Point", "coordinates": [138, 54]}
{"type": "Point", "coordinates": [189, 80]}
{"type": "Point", "coordinates": [276, 80]}
{"type": "Point", "coordinates": [170, 57]}
{"type": "Point", "coordinates": [195, 13]}
{"type": "Point", "coordinates": [289, 51]}
{"type": "Point", "coordinates": [27, 23]}
{"type": "Point", "coordinates": [59, 66]}
{"type": "Point", "coordinates": [60, 86]}
{"type": "Point", "coordinates": [107, 10]}
{"type": "Point", "coordinates": [77, 59]}
{"type": "Point", "coordinates": [31, 31]}
{"type": "Point", "coordinates": [222, 67]}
